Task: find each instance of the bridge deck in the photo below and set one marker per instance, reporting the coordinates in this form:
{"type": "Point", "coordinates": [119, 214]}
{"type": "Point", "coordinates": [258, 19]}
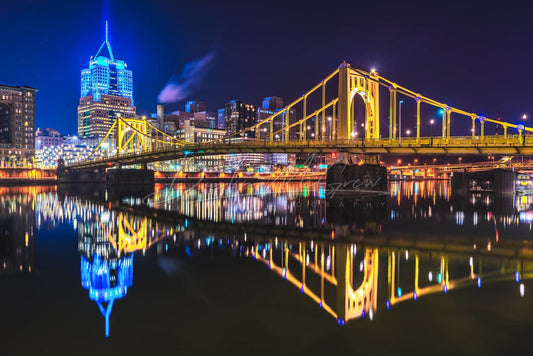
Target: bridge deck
{"type": "Point", "coordinates": [458, 145]}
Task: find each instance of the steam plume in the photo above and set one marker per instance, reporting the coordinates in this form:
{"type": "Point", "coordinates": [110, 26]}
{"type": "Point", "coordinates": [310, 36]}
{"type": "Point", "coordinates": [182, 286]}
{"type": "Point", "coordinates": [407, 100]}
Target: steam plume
{"type": "Point", "coordinates": [179, 88]}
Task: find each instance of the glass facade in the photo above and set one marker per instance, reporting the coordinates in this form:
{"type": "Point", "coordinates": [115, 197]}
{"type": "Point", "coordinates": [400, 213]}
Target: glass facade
{"type": "Point", "coordinates": [106, 93]}
{"type": "Point", "coordinates": [108, 77]}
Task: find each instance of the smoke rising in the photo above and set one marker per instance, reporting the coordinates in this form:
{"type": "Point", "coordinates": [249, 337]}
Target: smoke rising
{"type": "Point", "coordinates": [179, 88]}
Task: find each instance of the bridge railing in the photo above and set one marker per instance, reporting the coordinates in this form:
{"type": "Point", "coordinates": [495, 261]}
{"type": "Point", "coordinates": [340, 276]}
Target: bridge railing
{"type": "Point", "coordinates": [439, 144]}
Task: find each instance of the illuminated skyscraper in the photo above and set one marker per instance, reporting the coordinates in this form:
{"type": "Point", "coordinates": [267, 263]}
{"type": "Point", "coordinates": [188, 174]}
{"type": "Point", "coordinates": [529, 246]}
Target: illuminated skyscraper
{"type": "Point", "coordinates": [17, 124]}
{"type": "Point", "coordinates": [239, 116]}
{"type": "Point", "coordinates": [106, 92]}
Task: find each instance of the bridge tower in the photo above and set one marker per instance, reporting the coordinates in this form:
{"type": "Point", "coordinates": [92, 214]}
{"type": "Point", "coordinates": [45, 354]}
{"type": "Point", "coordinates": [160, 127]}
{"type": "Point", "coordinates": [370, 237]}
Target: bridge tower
{"type": "Point", "coordinates": [371, 176]}
{"type": "Point", "coordinates": [352, 83]}
{"type": "Point", "coordinates": [132, 136]}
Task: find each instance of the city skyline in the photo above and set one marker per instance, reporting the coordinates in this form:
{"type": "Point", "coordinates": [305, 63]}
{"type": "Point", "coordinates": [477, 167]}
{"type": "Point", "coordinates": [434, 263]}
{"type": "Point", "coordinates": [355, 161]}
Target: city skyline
{"type": "Point", "coordinates": [458, 58]}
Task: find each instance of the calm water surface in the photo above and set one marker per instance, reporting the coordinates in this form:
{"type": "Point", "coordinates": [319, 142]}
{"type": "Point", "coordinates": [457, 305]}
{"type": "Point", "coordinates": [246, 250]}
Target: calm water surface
{"type": "Point", "coordinates": [266, 268]}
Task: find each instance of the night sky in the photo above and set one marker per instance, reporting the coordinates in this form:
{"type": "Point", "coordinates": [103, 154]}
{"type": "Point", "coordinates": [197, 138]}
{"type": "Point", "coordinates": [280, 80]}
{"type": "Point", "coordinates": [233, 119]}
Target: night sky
{"type": "Point", "coordinates": [471, 56]}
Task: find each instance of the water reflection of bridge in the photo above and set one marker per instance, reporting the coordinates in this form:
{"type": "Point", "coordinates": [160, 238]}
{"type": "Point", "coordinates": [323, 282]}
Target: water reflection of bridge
{"type": "Point", "coordinates": [340, 270]}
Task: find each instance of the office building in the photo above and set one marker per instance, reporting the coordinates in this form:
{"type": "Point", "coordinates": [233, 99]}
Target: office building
{"type": "Point", "coordinates": [198, 132]}
{"type": "Point", "coordinates": [195, 106]}
{"type": "Point", "coordinates": [47, 137]}
{"type": "Point", "coordinates": [238, 116]}
{"type": "Point", "coordinates": [17, 124]}
{"type": "Point", "coordinates": [106, 93]}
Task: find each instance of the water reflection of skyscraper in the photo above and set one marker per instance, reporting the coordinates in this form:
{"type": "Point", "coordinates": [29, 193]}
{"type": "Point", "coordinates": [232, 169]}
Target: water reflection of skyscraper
{"type": "Point", "coordinates": [346, 269]}
{"type": "Point", "coordinates": [17, 230]}
{"type": "Point", "coordinates": [105, 273]}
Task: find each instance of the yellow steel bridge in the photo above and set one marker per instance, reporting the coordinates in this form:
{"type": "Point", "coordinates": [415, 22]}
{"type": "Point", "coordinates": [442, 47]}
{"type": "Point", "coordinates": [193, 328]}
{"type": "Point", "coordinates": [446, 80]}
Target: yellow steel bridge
{"type": "Point", "coordinates": [321, 122]}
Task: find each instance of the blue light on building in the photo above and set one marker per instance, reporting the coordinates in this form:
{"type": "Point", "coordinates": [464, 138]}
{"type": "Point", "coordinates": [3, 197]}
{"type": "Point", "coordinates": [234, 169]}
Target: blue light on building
{"type": "Point", "coordinates": [106, 93]}
{"type": "Point", "coordinates": [106, 75]}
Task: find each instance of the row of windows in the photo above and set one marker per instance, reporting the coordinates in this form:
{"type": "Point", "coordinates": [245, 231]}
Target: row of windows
{"type": "Point", "coordinates": [17, 105]}
{"type": "Point", "coordinates": [11, 152]}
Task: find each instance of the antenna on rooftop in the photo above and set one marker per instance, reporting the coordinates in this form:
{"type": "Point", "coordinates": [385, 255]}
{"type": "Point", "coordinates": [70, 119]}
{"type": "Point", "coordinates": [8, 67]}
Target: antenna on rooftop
{"type": "Point", "coordinates": [106, 42]}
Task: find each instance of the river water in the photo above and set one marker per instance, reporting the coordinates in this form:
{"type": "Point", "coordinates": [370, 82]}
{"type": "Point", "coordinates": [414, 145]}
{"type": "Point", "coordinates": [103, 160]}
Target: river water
{"type": "Point", "coordinates": [264, 268]}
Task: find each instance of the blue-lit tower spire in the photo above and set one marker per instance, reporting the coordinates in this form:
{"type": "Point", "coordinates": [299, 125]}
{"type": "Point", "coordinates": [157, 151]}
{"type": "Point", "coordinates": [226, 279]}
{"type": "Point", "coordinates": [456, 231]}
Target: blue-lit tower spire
{"type": "Point", "coordinates": [106, 43]}
{"type": "Point", "coordinates": [106, 75]}
{"type": "Point", "coordinates": [108, 84]}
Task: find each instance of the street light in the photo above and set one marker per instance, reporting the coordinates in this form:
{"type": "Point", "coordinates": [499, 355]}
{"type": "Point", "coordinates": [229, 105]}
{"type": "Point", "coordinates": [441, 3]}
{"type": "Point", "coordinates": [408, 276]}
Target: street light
{"type": "Point", "coordinates": [330, 128]}
{"type": "Point", "coordinates": [400, 123]}
{"type": "Point", "coordinates": [408, 132]}
{"type": "Point", "coordinates": [432, 121]}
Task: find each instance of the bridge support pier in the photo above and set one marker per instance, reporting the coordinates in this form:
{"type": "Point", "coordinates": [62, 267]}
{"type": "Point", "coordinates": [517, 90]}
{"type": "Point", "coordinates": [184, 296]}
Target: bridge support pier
{"type": "Point", "coordinates": [130, 176]}
{"type": "Point", "coordinates": [119, 176]}
{"type": "Point", "coordinates": [345, 177]}
{"type": "Point", "coordinates": [498, 181]}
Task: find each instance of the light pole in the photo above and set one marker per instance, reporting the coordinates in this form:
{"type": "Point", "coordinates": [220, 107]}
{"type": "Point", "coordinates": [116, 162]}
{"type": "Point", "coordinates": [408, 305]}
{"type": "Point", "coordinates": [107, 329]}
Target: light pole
{"type": "Point", "coordinates": [330, 124]}
{"type": "Point", "coordinates": [408, 132]}
{"type": "Point", "coordinates": [524, 118]}
{"type": "Point", "coordinates": [431, 122]}
{"type": "Point", "coordinates": [400, 123]}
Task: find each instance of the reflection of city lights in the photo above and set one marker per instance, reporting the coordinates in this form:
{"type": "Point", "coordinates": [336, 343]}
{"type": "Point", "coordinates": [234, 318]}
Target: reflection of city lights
{"type": "Point", "coordinates": [430, 276]}
{"type": "Point", "coordinates": [522, 290]}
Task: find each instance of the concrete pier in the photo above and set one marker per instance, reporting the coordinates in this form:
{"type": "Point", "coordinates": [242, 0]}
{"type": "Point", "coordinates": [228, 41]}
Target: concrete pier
{"type": "Point", "coordinates": [111, 176]}
{"type": "Point", "coordinates": [130, 176]}
{"type": "Point", "coordinates": [498, 181]}
{"type": "Point", "coordinates": [345, 177]}
{"type": "Point", "coordinates": [80, 176]}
